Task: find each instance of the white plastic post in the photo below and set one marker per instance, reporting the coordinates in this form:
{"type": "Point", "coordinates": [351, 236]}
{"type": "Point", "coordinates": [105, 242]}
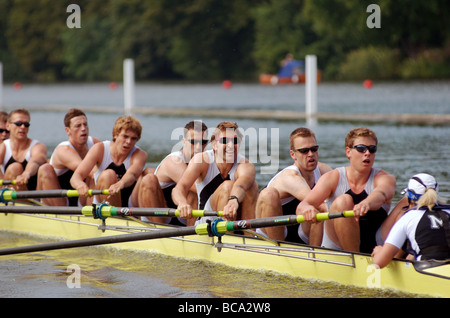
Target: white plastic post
{"type": "Point", "coordinates": [128, 85]}
{"type": "Point", "coordinates": [311, 89]}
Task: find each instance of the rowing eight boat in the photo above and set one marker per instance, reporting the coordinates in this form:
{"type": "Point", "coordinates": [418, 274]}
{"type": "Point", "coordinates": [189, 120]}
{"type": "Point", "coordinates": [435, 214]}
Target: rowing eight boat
{"type": "Point", "coordinates": [249, 252]}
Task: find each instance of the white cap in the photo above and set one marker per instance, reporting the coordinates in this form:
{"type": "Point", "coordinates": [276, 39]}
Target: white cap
{"type": "Point", "coordinates": [418, 185]}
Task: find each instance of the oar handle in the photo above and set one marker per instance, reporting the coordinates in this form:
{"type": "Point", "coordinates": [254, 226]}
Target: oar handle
{"type": "Point", "coordinates": [7, 182]}
{"type": "Point", "coordinates": [91, 192]}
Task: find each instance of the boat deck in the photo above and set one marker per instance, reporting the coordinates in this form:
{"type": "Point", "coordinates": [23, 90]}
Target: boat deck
{"type": "Point", "coordinates": [352, 269]}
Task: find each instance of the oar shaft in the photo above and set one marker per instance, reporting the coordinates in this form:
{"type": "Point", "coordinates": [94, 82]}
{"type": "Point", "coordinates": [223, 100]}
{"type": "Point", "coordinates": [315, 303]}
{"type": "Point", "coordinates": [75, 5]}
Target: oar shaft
{"type": "Point", "coordinates": [162, 212]}
{"type": "Point", "coordinates": [10, 195]}
{"type": "Point", "coordinates": [28, 209]}
{"type": "Point", "coordinates": [100, 240]}
{"type": "Point", "coordinates": [201, 229]}
{"type": "Point", "coordinates": [106, 211]}
{"type": "Point", "coordinates": [223, 227]}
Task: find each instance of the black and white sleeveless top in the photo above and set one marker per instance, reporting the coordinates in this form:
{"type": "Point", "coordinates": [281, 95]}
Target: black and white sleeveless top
{"type": "Point", "coordinates": [90, 143]}
{"type": "Point", "coordinates": [286, 200]}
{"type": "Point", "coordinates": [108, 163]}
{"type": "Point", "coordinates": [9, 159]}
{"type": "Point", "coordinates": [213, 180]}
{"type": "Point", "coordinates": [344, 187]}
{"type": "Point", "coordinates": [177, 154]}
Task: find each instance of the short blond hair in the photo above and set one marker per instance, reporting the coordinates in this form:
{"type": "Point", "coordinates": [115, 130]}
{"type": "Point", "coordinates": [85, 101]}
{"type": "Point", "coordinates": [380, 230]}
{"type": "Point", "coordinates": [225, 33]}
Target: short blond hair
{"type": "Point", "coordinates": [359, 132]}
{"type": "Point", "coordinates": [224, 126]}
{"type": "Point", "coordinates": [300, 132]}
{"type": "Point", "coordinates": [19, 111]}
{"type": "Point", "coordinates": [127, 123]}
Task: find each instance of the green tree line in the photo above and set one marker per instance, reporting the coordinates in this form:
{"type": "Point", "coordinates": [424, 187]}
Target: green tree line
{"type": "Point", "coordinates": [217, 39]}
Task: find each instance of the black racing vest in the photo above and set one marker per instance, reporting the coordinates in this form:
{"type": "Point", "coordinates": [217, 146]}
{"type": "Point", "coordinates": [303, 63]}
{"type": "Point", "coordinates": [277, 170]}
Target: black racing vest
{"type": "Point", "coordinates": [292, 230]}
{"type": "Point", "coordinates": [125, 193]}
{"type": "Point", "coordinates": [64, 182]}
{"type": "Point", "coordinates": [209, 189]}
{"type": "Point", "coordinates": [368, 223]}
{"type": "Point", "coordinates": [433, 234]}
{"type": "Point", "coordinates": [32, 182]}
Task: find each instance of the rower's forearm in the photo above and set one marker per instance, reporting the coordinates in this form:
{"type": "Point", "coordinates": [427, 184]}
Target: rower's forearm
{"type": "Point", "coordinates": [375, 200]}
{"type": "Point", "coordinates": [178, 197]}
{"type": "Point", "coordinates": [32, 168]}
{"type": "Point", "coordinates": [76, 181]}
{"type": "Point", "coordinates": [238, 191]}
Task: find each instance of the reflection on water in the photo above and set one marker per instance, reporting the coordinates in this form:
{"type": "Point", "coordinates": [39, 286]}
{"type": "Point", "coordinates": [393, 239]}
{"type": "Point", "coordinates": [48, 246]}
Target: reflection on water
{"type": "Point", "coordinates": [107, 272]}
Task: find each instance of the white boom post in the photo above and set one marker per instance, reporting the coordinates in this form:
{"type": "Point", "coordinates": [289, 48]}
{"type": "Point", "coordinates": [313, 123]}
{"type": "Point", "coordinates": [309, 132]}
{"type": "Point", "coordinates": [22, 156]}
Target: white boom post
{"type": "Point", "coordinates": [311, 89]}
{"type": "Point", "coordinates": [128, 85]}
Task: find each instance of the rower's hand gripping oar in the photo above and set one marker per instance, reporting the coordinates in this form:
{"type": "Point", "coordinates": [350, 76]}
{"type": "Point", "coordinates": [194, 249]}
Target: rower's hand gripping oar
{"type": "Point", "coordinates": [220, 228]}
{"type": "Point", "coordinates": [11, 195]}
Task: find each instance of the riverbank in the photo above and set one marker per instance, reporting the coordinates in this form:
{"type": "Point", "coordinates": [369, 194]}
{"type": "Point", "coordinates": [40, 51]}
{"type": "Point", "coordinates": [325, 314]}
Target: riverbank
{"type": "Point", "coordinates": [281, 115]}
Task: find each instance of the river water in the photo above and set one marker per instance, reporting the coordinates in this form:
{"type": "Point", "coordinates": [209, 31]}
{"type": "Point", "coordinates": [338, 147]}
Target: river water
{"type": "Point", "coordinates": [404, 150]}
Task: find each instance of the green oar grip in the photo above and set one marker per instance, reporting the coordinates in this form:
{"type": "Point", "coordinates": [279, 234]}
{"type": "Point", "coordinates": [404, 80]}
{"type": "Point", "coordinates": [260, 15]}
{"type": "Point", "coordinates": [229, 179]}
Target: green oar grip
{"type": "Point", "coordinates": [91, 192]}
{"type": "Point", "coordinates": [72, 193]}
{"type": "Point", "coordinates": [7, 182]}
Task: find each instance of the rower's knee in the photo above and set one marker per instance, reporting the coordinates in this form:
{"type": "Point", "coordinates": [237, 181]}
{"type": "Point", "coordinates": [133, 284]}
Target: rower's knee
{"type": "Point", "coordinates": [268, 196]}
{"type": "Point", "coordinates": [13, 170]}
{"type": "Point", "coordinates": [107, 178]}
{"type": "Point", "coordinates": [267, 202]}
{"type": "Point", "coordinates": [226, 187]}
{"type": "Point", "coordinates": [341, 203]}
{"type": "Point", "coordinates": [46, 172]}
{"type": "Point", "coordinates": [150, 183]}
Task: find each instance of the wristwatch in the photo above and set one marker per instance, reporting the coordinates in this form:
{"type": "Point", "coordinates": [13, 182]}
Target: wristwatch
{"type": "Point", "coordinates": [231, 197]}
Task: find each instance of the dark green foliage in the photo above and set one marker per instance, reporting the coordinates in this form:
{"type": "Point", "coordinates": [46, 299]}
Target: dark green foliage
{"type": "Point", "coordinates": [216, 40]}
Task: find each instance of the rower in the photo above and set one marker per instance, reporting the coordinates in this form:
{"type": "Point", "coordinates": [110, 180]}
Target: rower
{"type": "Point", "coordinates": [4, 133]}
{"type": "Point", "coordinates": [119, 165]}
{"type": "Point", "coordinates": [425, 225]}
{"type": "Point", "coordinates": [359, 187]}
{"type": "Point", "coordinates": [66, 158]}
{"type": "Point", "coordinates": [21, 156]}
{"type": "Point", "coordinates": [156, 188]}
{"type": "Point", "coordinates": [290, 186]}
{"type": "Point", "coordinates": [224, 179]}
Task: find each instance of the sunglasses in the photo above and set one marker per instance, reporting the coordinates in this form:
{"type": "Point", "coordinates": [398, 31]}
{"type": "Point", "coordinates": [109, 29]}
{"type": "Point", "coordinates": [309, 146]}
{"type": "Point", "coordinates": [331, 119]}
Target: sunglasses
{"type": "Point", "coordinates": [198, 141]}
{"type": "Point", "coordinates": [20, 123]}
{"type": "Point", "coordinates": [363, 148]}
{"type": "Point", "coordinates": [306, 150]}
{"type": "Point", "coordinates": [4, 130]}
{"type": "Point", "coordinates": [225, 140]}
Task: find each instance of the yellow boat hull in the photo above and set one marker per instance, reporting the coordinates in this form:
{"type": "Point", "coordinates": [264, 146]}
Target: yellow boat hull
{"type": "Point", "coordinates": [344, 268]}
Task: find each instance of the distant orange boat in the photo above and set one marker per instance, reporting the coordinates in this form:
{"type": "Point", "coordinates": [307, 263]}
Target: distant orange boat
{"type": "Point", "coordinates": [273, 79]}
